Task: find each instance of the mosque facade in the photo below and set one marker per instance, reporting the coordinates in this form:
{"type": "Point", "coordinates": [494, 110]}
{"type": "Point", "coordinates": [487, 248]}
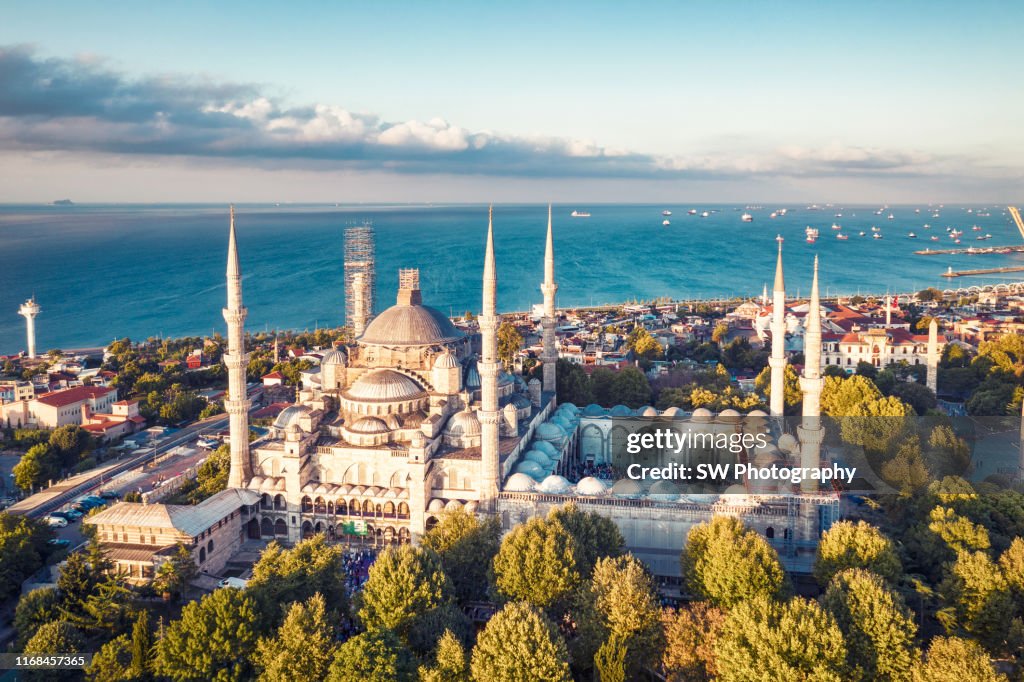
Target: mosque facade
{"type": "Point", "coordinates": [410, 420]}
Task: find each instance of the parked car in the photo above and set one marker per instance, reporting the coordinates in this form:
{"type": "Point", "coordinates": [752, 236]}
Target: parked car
{"type": "Point", "coordinates": [60, 515]}
{"type": "Point", "coordinates": [81, 509]}
{"type": "Point", "coordinates": [58, 542]}
{"type": "Point", "coordinates": [56, 522]}
{"type": "Point", "coordinates": [71, 514]}
{"type": "Point", "coordinates": [98, 500]}
{"type": "Point", "coordinates": [237, 583]}
{"type": "Point", "coordinates": [87, 503]}
{"type": "Point", "coordinates": [109, 495]}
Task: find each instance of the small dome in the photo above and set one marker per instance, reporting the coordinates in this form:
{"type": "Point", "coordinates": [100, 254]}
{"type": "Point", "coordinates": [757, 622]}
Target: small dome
{"type": "Point", "coordinates": [334, 357]}
{"type": "Point", "coordinates": [729, 416]}
{"type": "Point", "coordinates": [290, 415]}
{"type": "Point", "coordinates": [621, 411]}
{"type": "Point", "coordinates": [520, 483]}
{"type": "Point", "coordinates": [569, 407]}
{"type": "Point", "coordinates": [373, 491]}
{"type": "Point", "coordinates": [320, 489]}
{"type": "Point", "coordinates": [665, 491]}
{"type": "Point", "coordinates": [358, 490]}
{"type": "Point", "coordinates": [393, 421]}
{"type": "Point", "coordinates": [547, 448]}
{"type": "Point", "coordinates": [369, 425]}
{"type": "Point", "coordinates": [554, 485]}
{"type": "Point", "coordinates": [673, 412]}
{"type": "Point", "coordinates": [344, 490]}
{"type": "Point", "coordinates": [385, 385]}
{"type": "Point", "coordinates": [550, 431]}
{"type": "Point", "coordinates": [534, 381]}
{"type": "Point", "coordinates": [472, 378]}
{"type": "Point", "coordinates": [562, 422]}
{"type": "Point", "coordinates": [520, 401]}
{"type": "Point", "coordinates": [591, 486]}
{"type": "Point", "coordinates": [463, 423]}
{"type": "Point", "coordinates": [757, 413]}
{"type": "Point", "coordinates": [594, 410]}
{"type": "Point", "coordinates": [436, 505]}
{"type": "Point", "coordinates": [648, 412]}
{"type": "Point", "coordinates": [735, 489]}
{"type": "Point", "coordinates": [702, 414]}
{"type": "Point", "coordinates": [256, 482]}
{"type": "Point", "coordinates": [453, 505]}
{"type": "Point", "coordinates": [538, 457]}
{"type": "Point", "coordinates": [504, 379]}
{"type": "Point", "coordinates": [471, 506]}
{"type": "Point", "coordinates": [628, 488]}
{"type": "Point", "coordinates": [390, 494]}
{"type": "Point", "coordinates": [787, 443]}
{"type": "Point", "coordinates": [280, 485]}
{"type": "Point", "coordinates": [446, 360]}
{"type": "Point", "coordinates": [531, 469]}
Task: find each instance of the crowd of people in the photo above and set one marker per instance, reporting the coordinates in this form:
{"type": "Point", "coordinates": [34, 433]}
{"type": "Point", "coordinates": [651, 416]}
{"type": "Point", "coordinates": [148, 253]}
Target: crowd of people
{"type": "Point", "coordinates": [605, 472]}
{"type": "Point", "coordinates": [357, 567]}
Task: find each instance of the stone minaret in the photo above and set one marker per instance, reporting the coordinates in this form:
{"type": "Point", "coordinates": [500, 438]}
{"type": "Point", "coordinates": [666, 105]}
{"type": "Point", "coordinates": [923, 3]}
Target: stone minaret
{"type": "Point", "coordinates": [488, 367]}
{"type": "Point", "coordinates": [359, 302]}
{"type": "Point", "coordinates": [777, 361]}
{"type": "Point", "coordinates": [29, 309]}
{"type": "Point", "coordinates": [811, 433]}
{"type": "Point", "coordinates": [933, 356]}
{"type": "Point", "coordinates": [888, 311]}
{"type": "Point", "coordinates": [549, 355]}
{"type": "Point", "coordinates": [236, 404]}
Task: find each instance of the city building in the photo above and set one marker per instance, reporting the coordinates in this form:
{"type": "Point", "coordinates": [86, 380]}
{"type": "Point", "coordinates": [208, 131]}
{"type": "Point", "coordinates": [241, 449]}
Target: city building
{"type": "Point", "coordinates": [50, 410]}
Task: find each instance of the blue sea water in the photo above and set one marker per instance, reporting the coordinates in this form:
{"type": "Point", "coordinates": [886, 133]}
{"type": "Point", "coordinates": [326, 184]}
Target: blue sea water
{"type": "Point", "coordinates": [106, 271]}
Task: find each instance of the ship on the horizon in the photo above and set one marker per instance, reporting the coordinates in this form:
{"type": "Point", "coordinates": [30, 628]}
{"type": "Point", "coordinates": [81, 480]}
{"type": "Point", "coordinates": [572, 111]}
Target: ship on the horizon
{"type": "Point", "coordinates": [579, 214]}
{"type": "Point", "coordinates": [666, 213]}
{"type": "Point", "coordinates": [747, 218]}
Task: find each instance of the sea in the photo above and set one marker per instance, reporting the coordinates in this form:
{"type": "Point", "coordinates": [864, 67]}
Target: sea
{"type": "Point", "coordinates": [101, 272]}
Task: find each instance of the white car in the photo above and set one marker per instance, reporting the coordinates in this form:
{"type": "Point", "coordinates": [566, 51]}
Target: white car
{"type": "Point", "coordinates": [56, 522]}
{"type": "Point", "coordinates": [237, 583]}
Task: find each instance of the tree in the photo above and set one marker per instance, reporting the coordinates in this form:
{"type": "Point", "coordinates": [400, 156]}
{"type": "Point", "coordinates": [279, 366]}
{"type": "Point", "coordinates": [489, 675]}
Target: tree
{"type": "Point", "coordinates": [611, 660]}
{"type": "Point", "coordinates": [36, 467]}
{"type": "Point", "coordinates": [979, 600]}
{"type": "Point", "coordinates": [690, 635]}
{"type": "Point", "coordinates": [450, 662]}
{"type": "Point", "coordinates": [952, 659]}
{"type": "Point", "coordinates": [70, 441]}
{"type": "Point", "coordinates": [876, 625]}
{"type": "Point", "coordinates": [404, 584]}
{"type": "Point", "coordinates": [519, 644]}
{"type": "Point", "coordinates": [113, 662]}
{"type": "Point", "coordinates": [22, 544]}
{"type": "Point", "coordinates": [929, 294]}
{"type": "Point", "coordinates": [213, 640]}
{"type": "Point", "coordinates": [466, 546]}
{"type": "Point", "coordinates": [876, 424]}
{"type": "Point", "coordinates": [51, 638]}
{"type": "Point", "coordinates": [918, 396]}
{"type": "Point", "coordinates": [284, 576]}
{"type": "Point", "coordinates": [174, 575]}
{"type": "Point", "coordinates": [1011, 563]}
{"type": "Point", "coordinates": [719, 333]}
{"type": "Point", "coordinates": [726, 563]}
{"type": "Point", "coordinates": [142, 646]}
{"type": "Point", "coordinates": [537, 563]}
{"type": "Point", "coordinates": [840, 395]}
{"type": "Point", "coordinates": [630, 388]}
{"type": "Point", "coordinates": [596, 536]}
{"type": "Point", "coordinates": [303, 647]}
{"type": "Point", "coordinates": [856, 545]}
{"type": "Point", "coordinates": [34, 609]}
{"type": "Point", "coordinates": [764, 640]}
{"type": "Point", "coordinates": [374, 656]}
{"type": "Point", "coordinates": [509, 344]}
{"type": "Point", "coordinates": [602, 380]}
{"type": "Point", "coordinates": [572, 384]}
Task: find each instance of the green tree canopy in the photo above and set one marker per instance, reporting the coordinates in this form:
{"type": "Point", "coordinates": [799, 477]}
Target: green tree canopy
{"type": "Point", "coordinates": [510, 341]}
{"type": "Point", "coordinates": [405, 583]}
{"type": "Point", "coordinates": [978, 598]}
{"type": "Point", "coordinates": [113, 662]}
{"type": "Point", "coordinates": [765, 640]}
{"type": "Point", "coordinates": [725, 562]}
{"type": "Point", "coordinates": [34, 609]}
{"type": "Point", "coordinates": [374, 656]}
{"type": "Point", "coordinates": [630, 388]}
{"type": "Point", "coordinates": [952, 659]}
{"type": "Point", "coordinates": [856, 545]}
{"type": "Point", "coordinates": [876, 625]}
{"type": "Point", "coordinates": [450, 662]}
{"type": "Point", "coordinates": [537, 563]}
{"type": "Point", "coordinates": [213, 640]}
{"type": "Point", "coordinates": [602, 380]}
{"type": "Point", "coordinates": [520, 644]}
{"type": "Point", "coordinates": [572, 383]}
{"type": "Point", "coordinates": [284, 576]}
{"type": "Point", "coordinates": [840, 395]}
{"type": "Point", "coordinates": [792, 395]}
{"type": "Point", "coordinates": [596, 536]}
{"type": "Point", "coordinates": [466, 545]}
{"type": "Point", "coordinates": [302, 648]}
{"type": "Point", "coordinates": [690, 636]}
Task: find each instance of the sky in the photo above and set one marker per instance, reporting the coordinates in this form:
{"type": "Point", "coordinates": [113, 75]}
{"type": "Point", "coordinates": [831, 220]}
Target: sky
{"type": "Point", "coordinates": [869, 102]}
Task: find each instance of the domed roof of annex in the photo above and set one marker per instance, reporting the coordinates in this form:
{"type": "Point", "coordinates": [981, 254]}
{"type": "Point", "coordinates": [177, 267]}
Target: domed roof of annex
{"type": "Point", "coordinates": [384, 384]}
{"type": "Point", "coordinates": [290, 415]}
{"type": "Point", "coordinates": [446, 360]}
{"type": "Point", "coordinates": [410, 325]}
{"type": "Point", "coordinates": [369, 425]}
{"type": "Point", "coordinates": [334, 357]}
{"type": "Point", "coordinates": [463, 423]}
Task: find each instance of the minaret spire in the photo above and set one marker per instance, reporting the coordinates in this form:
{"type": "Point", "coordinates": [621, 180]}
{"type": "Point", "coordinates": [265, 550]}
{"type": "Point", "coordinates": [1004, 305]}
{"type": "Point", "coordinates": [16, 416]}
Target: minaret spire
{"type": "Point", "coordinates": [549, 353]}
{"type": "Point", "coordinates": [811, 383]}
{"type": "Point", "coordinates": [236, 404]}
{"type": "Point", "coordinates": [933, 356]}
{"type": "Point", "coordinates": [777, 360]}
{"type": "Point", "coordinates": [488, 368]}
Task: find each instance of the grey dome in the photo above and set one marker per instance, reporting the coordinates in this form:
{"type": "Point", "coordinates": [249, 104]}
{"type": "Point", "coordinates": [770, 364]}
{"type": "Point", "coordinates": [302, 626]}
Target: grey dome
{"type": "Point", "coordinates": [594, 410]}
{"type": "Point", "coordinates": [463, 423]}
{"type": "Point", "coordinates": [531, 469]}
{"type": "Point", "coordinates": [550, 431]}
{"type": "Point", "coordinates": [369, 425]}
{"type": "Point", "coordinates": [410, 325]}
{"type": "Point", "coordinates": [446, 360]}
{"type": "Point", "coordinates": [547, 448]}
{"type": "Point", "coordinates": [334, 357]}
{"type": "Point", "coordinates": [520, 483]}
{"type": "Point", "coordinates": [591, 486]}
{"type": "Point", "coordinates": [538, 457]}
{"type": "Point", "coordinates": [621, 411]}
{"type": "Point", "coordinates": [627, 487]}
{"type": "Point", "coordinates": [289, 416]}
{"type": "Point", "coordinates": [554, 485]}
{"type": "Point", "coordinates": [383, 385]}
{"type": "Point", "coordinates": [472, 379]}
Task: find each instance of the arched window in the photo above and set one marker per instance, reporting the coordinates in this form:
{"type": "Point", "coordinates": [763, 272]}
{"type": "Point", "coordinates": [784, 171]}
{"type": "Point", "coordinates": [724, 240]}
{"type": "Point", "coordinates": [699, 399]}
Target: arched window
{"type": "Point", "coordinates": [280, 527]}
{"type": "Point", "coordinates": [307, 504]}
{"type": "Point", "coordinates": [770, 533]}
{"type": "Point", "coordinates": [266, 527]}
{"type": "Point", "coordinates": [367, 508]}
{"type": "Point", "coordinates": [265, 501]}
{"type": "Point", "coordinates": [341, 509]}
{"type": "Point", "coordinates": [209, 547]}
{"type": "Point", "coordinates": [318, 506]}
{"type": "Point", "coordinates": [389, 510]}
{"type": "Point", "coordinates": [279, 502]}
{"type": "Point", "coordinates": [403, 510]}
{"type": "Point", "coordinates": [202, 554]}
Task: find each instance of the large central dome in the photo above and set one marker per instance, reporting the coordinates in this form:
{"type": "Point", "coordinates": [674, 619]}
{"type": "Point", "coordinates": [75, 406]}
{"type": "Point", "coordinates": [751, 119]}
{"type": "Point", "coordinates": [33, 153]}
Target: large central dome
{"type": "Point", "coordinates": [385, 385]}
{"type": "Point", "coordinates": [410, 325]}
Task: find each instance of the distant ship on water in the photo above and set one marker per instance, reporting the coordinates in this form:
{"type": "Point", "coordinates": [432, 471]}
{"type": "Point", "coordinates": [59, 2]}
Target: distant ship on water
{"type": "Point", "coordinates": [580, 214]}
{"type": "Point", "coordinates": [747, 218]}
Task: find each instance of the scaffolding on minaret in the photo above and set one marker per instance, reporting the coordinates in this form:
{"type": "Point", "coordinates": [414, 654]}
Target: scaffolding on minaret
{"type": "Point", "coordinates": [360, 258]}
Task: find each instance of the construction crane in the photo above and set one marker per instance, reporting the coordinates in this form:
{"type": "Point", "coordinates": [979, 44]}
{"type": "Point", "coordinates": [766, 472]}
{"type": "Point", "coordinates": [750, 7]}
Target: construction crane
{"type": "Point", "coordinates": [1015, 213]}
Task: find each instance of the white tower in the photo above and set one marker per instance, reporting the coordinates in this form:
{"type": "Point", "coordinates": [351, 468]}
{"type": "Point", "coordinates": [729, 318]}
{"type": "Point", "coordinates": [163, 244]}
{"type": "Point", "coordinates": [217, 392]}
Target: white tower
{"type": "Point", "coordinates": [810, 431]}
{"type": "Point", "coordinates": [549, 354]}
{"type": "Point", "coordinates": [777, 360]}
{"type": "Point", "coordinates": [888, 311]}
{"type": "Point", "coordinates": [29, 309]}
{"type": "Point", "coordinates": [236, 404]}
{"type": "Point", "coordinates": [933, 356]}
{"type": "Point", "coordinates": [359, 301]}
{"type": "Point", "coordinates": [488, 367]}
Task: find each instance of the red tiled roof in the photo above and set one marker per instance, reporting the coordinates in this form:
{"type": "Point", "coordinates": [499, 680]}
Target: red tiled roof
{"type": "Point", "coordinates": [273, 375]}
{"type": "Point", "coordinates": [73, 395]}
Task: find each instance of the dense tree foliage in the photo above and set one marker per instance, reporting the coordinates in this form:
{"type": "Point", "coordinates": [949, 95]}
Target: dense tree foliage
{"type": "Point", "coordinates": [22, 546]}
{"type": "Point", "coordinates": [405, 584]}
{"type": "Point", "coordinates": [595, 536]}
{"type": "Point", "coordinates": [537, 563]}
{"type": "Point", "coordinates": [302, 648]}
{"type": "Point", "coordinates": [284, 576]}
{"type": "Point", "coordinates": [520, 644]}
{"type": "Point", "coordinates": [466, 546]}
{"type": "Point", "coordinates": [374, 656]}
{"type": "Point", "coordinates": [856, 545]}
{"type": "Point", "coordinates": [952, 659]}
{"type": "Point", "coordinates": [690, 635]}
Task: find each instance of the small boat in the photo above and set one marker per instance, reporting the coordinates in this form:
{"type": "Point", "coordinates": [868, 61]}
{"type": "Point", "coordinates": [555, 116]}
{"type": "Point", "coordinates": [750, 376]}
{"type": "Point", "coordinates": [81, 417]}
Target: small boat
{"type": "Point", "coordinates": [836, 226]}
{"type": "Point", "coordinates": [705, 214]}
{"type": "Point", "coordinates": [842, 237]}
{"type": "Point", "coordinates": [983, 237]}
{"type": "Point", "coordinates": [956, 233]}
{"type": "Point", "coordinates": [579, 214]}
{"type": "Point", "coordinates": [956, 241]}
{"type": "Point", "coordinates": [747, 218]}
{"type": "Point", "coordinates": [934, 238]}
{"type": "Point", "coordinates": [875, 229]}
{"type": "Point", "coordinates": [891, 216]}
{"type": "Point", "coordinates": [927, 226]}
{"type": "Point", "coordinates": [692, 211]}
{"type": "Point", "coordinates": [812, 234]}
{"type": "Point", "coordinates": [911, 235]}
{"type": "Point", "coordinates": [877, 235]}
{"type": "Point", "coordinates": [774, 215]}
{"type": "Point", "coordinates": [861, 234]}
{"type": "Point", "coordinates": [976, 228]}
{"type": "Point", "coordinates": [665, 222]}
{"type": "Point", "coordinates": [782, 211]}
{"type": "Point", "coordinates": [917, 210]}
{"type": "Point", "coordinates": [666, 213]}
{"type": "Point", "coordinates": [839, 215]}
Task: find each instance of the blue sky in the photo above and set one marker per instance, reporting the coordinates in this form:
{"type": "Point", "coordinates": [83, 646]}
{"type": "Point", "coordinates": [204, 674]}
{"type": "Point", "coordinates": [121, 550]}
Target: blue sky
{"type": "Point", "coordinates": [742, 101]}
